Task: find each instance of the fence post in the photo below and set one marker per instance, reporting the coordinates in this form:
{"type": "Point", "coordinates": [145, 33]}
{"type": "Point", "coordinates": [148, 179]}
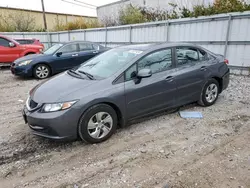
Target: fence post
{"type": "Point", "coordinates": [68, 35]}
{"type": "Point", "coordinates": [84, 35]}
{"type": "Point", "coordinates": [227, 35]}
{"type": "Point", "coordinates": [59, 37]}
{"type": "Point", "coordinates": [106, 36]}
{"type": "Point", "coordinates": [167, 30]}
{"type": "Point", "coordinates": [130, 34]}
{"type": "Point", "coordinates": [50, 39]}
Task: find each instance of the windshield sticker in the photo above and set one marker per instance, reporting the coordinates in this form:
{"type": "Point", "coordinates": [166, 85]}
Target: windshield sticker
{"type": "Point", "coordinates": [137, 52]}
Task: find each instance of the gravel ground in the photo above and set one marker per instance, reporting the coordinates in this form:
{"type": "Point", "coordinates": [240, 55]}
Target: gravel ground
{"type": "Point", "coordinates": [160, 151]}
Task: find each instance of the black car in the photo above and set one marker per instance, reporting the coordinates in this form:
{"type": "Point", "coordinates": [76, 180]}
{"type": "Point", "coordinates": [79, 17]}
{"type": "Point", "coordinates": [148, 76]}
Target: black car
{"type": "Point", "coordinates": [58, 58]}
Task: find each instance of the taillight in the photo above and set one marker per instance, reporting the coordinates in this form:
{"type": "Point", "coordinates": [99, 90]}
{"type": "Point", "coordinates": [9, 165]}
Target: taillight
{"type": "Point", "coordinates": [226, 61]}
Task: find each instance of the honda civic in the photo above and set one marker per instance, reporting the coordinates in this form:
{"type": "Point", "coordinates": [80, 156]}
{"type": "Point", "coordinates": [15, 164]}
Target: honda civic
{"type": "Point", "coordinates": [125, 83]}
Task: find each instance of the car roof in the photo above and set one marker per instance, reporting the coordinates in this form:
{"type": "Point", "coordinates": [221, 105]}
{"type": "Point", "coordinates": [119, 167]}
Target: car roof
{"type": "Point", "coordinates": [76, 41]}
{"type": "Point", "coordinates": [142, 47]}
{"type": "Point", "coordinates": [153, 46]}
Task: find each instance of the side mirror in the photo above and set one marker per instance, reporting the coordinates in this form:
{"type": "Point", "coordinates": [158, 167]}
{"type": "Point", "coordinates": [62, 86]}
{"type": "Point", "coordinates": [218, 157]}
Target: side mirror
{"type": "Point", "coordinates": [58, 54]}
{"type": "Point", "coordinates": [144, 73]}
{"type": "Point", "coordinates": [11, 44]}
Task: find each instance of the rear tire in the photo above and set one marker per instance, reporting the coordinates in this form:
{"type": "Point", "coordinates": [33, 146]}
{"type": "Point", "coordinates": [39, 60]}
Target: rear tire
{"type": "Point", "coordinates": [41, 71]}
{"type": "Point", "coordinates": [97, 124]}
{"type": "Point", "coordinates": [209, 93]}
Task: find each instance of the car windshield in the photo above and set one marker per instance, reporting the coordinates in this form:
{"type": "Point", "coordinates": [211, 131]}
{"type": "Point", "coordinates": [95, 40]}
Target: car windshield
{"type": "Point", "coordinates": [53, 49]}
{"type": "Point", "coordinates": [108, 63]}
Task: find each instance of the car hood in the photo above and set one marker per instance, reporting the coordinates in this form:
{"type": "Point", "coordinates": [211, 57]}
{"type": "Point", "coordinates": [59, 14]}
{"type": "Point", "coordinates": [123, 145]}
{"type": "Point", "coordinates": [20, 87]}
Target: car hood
{"type": "Point", "coordinates": [58, 88]}
{"type": "Point", "coordinates": [33, 57]}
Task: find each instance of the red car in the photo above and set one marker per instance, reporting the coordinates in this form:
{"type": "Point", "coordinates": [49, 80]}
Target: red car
{"type": "Point", "coordinates": [10, 50]}
{"type": "Point", "coordinates": [29, 41]}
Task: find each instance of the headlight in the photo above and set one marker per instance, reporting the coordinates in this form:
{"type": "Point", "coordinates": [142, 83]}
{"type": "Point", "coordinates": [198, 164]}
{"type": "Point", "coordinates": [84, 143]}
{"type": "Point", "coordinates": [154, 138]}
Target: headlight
{"type": "Point", "coordinates": [41, 50]}
{"type": "Point", "coordinates": [24, 63]}
{"type": "Point", "coordinates": [57, 106]}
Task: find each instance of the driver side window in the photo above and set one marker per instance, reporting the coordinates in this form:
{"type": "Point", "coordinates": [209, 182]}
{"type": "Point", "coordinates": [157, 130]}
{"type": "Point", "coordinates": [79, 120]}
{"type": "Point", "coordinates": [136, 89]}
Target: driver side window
{"type": "Point", "coordinates": [4, 42]}
{"type": "Point", "coordinates": [69, 48]}
{"type": "Point", "coordinates": [157, 61]}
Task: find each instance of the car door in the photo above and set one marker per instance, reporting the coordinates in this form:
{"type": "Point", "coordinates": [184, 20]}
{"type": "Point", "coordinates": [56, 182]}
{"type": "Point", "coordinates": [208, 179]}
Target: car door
{"type": "Point", "coordinates": [87, 51]}
{"type": "Point", "coordinates": [8, 54]}
{"type": "Point", "coordinates": [191, 73]}
{"type": "Point", "coordinates": [66, 57]}
{"type": "Point", "coordinates": [152, 93]}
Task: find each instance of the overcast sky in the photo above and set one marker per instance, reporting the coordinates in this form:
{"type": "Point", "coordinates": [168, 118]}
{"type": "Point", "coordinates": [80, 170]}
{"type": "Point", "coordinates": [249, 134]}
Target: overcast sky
{"type": "Point", "coordinates": [56, 5]}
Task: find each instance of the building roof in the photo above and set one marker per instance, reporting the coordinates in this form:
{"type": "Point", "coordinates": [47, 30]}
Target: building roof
{"type": "Point", "coordinates": [117, 2]}
{"type": "Point", "coordinates": [37, 11]}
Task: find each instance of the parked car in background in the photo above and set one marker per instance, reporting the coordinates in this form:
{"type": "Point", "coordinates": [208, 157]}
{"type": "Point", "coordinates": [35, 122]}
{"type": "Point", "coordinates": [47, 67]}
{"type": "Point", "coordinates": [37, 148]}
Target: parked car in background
{"type": "Point", "coordinates": [10, 50]}
{"type": "Point", "coordinates": [29, 41]}
{"type": "Point", "coordinates": [58, 58]}
{"type": "Point", "coordinates": [123, 84]}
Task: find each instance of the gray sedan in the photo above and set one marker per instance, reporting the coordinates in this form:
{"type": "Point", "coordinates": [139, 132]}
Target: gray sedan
{"type": "Point", "coordinates": [92, 100]}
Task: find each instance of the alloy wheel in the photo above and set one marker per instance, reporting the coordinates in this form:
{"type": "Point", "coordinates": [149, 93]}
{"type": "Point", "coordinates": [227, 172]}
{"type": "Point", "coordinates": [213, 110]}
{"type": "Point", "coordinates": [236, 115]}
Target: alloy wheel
{"type": "Point", "coordinates": [211, 93]}
{"type": "Point", "coordinates": [42, 71]}
{"type": "Point", "coordinates": [100, 125]}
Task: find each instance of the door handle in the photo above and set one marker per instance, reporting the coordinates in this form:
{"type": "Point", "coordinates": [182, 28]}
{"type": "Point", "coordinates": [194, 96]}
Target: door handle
{"type": "Point", "coordinates": [74, 55]}
{"type": "Point", "coordinates": [169, 79]}
{"type": "Point", "coordinates": [95, 52]}
{"type": "Point", "coordinates": [203, 68]}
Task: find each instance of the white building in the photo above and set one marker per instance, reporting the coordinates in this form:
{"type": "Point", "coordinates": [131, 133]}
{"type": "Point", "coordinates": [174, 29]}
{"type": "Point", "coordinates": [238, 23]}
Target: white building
{"type": "Point", "coordinates": [111, 11]}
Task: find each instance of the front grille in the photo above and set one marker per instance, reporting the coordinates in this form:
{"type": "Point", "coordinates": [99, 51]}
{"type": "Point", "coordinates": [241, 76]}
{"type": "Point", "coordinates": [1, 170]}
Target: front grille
{"type": "Point", "coordinates": [32, 104]}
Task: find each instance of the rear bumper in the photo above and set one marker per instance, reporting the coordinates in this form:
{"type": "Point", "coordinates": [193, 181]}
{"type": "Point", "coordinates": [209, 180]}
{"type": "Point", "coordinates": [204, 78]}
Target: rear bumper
{"type": "Point", "coordinates": [225, 80]}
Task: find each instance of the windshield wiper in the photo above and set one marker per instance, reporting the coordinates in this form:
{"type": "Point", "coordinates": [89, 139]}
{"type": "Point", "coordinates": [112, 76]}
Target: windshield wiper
{"type": "Point", "coordinates": [74, 72]}
{"type": "Point", "coordinates": [90, 76]}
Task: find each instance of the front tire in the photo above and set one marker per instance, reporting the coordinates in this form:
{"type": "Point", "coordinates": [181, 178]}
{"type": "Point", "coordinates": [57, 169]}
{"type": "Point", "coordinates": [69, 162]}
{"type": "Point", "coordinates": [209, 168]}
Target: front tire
{"type": "Point", "coordinates": [41, 71]}
{"type": "Point", "coordinates": [97, 124]}
{"type": "Point", "coordinates": [209, 93]}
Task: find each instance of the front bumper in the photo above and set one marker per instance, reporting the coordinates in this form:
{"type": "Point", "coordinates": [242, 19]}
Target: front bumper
{"type": "Point", "coordinates": [61, 125]}
{"type": "Point", "coordinates": [21, 71]}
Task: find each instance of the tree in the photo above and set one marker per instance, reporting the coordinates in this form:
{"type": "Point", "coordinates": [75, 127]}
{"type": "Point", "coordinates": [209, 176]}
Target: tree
{"type": "Point", "coordinates": [131, 15]}
{"type": "Point", "coordinates": [20, 21]}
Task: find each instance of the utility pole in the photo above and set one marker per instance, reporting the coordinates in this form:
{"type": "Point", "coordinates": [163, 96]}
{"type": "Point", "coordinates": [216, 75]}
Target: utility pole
{"type": "Point", "coordinates": [44, 16]}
